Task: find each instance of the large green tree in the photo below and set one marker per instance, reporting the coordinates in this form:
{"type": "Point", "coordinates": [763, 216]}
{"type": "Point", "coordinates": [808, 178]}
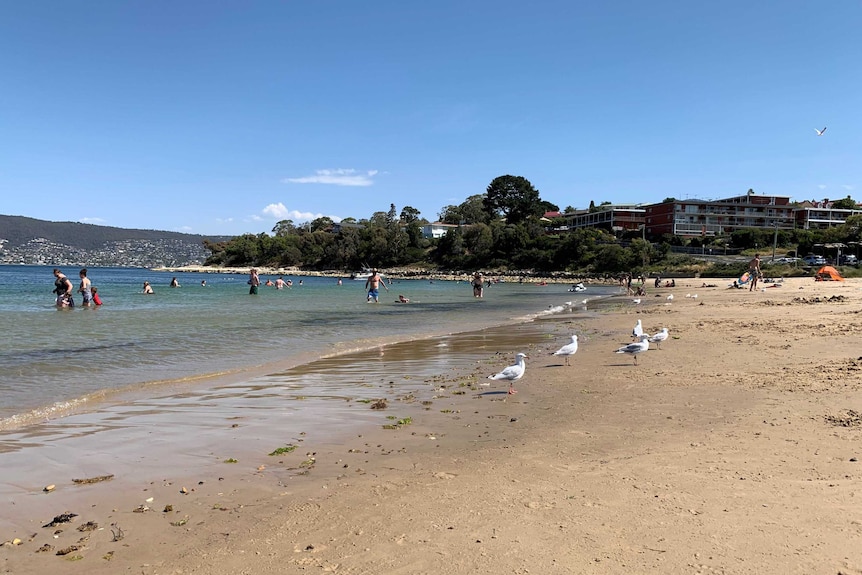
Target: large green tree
{"type": "Point", "coordinates": [514, 197]}
{"type": "Point", "coordinates": [847, 203]}
{"type": "Point", "coordinates": [470, 211]}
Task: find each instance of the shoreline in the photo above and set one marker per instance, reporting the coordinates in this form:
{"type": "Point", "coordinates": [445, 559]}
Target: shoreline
{"type": "Point", "coordinates": [731, 450]}
{"type": "Point", "coordinates": [407, 274]}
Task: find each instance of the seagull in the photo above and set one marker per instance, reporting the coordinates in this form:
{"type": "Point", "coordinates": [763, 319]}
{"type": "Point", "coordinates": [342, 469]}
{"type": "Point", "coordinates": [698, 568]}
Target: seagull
{"type": "Point", "coordinates": [568, 349]}
{"type": "Point", "coordinates": [635, 348]}
{"type": "Point", "coordinates": [512, 373]}
{"type": "Point", "coordinates": [638, 330]}
{"type": "Point", "coordinates": [636, 301]}
{"type": "Point", "coordinates": [659, 337]}
{"type": "Point", "coordinates": [670, 297]}
{"type": "Point", "coordinates": [820, 132]}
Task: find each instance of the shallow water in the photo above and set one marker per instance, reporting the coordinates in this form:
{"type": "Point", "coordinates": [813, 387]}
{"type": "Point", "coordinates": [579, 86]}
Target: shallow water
{"type": "Point", "coordinates": [54, 362]}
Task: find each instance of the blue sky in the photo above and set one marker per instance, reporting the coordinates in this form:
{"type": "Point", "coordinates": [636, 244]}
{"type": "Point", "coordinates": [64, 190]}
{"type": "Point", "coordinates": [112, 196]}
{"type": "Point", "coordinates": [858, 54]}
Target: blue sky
{"type": "Point", "coordinates": [224, 117]}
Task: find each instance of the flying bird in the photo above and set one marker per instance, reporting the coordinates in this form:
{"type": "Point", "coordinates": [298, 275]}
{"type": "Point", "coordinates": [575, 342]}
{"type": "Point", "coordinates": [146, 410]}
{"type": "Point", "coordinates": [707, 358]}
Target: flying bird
{"type": "Point", "coordinates": [568, 349]}
{"type": "Point", "coordinates": [512, 373]}
{"type": "Point", "coordinates": [637, 330]}
{"type": "Point", "coordinates": [659, 337]}
{"type": "Point", "coordinates": [636, 348]}
{"type": "Point", "coordinates": [820, 132]}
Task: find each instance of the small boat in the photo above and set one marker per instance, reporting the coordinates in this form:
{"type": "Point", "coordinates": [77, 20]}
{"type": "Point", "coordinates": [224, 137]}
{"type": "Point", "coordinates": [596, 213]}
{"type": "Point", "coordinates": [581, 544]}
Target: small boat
{"type": "Point", "coordinates": [363, 275]}
{"type": "Point", "coordinates": [578, 287]}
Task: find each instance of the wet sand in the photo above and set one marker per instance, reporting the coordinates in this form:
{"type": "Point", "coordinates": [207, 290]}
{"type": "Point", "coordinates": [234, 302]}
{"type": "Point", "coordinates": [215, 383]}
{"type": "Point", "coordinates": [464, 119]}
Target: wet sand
{"type": "Point", "coordinates": [733, 449]}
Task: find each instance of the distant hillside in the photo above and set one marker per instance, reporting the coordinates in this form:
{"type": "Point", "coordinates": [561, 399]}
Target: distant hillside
{"type": "Point", "coordinates": [18, 230]}
{"type": "Point", "coordinates": [39, 242]}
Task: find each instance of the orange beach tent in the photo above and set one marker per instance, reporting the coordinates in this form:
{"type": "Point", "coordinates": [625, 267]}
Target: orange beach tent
{"type": "Point", "coordinates": [828, 273]}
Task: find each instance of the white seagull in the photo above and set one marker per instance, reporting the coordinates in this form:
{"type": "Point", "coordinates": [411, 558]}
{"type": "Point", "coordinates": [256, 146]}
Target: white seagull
{"type": "Point", "coordinates": [568, 349]}
{"type": "Point", "coordinates": [512, 373]}
{"type": "Point", "coordinates": [659, 337]}
{"type": "Point", "coordinates": [820, 132]}
{"type": "Point", "coordinates": [637, 330]}
{"type": "Point", "coordinates": [636, 301]}
{"type": "Point", "coordinates": [636, 348]}
{"type": "Point", "coordinates": [670, 297]}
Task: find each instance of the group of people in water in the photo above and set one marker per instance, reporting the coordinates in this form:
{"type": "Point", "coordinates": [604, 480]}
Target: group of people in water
{"type": "Point", "coordinates": [64, 290]}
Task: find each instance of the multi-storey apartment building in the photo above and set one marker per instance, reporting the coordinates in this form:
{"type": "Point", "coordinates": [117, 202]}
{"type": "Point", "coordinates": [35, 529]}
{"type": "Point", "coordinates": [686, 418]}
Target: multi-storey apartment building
{"type": "Point", "coordinates": [719, 217]}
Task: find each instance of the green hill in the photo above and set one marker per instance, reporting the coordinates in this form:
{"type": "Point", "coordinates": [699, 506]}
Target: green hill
{"type": "Point", "coordinates": [18, 230]}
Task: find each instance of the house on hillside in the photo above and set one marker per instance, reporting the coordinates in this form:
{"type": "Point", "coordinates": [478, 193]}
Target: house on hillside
{"type": "Point", "coordinates": [812, 215]}
{"type": "Point", "coordinates": [436, 230]}
{"type": "Point", "coordinates": [613, 218]}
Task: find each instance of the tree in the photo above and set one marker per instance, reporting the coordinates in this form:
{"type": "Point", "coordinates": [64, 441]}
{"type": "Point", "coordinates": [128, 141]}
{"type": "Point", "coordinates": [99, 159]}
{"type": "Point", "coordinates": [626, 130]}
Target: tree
{"type": "Point", "coordinates": [391, 215]}
{"type": "Point", "coordinates": [470, 211]}
{"type": "Point", "coordinates": [409, 215]}
{"type": "Point", "coordinates": [284, 228]}
{"type": "Point", "coordinates": [847, 203]}
{"type": "Point", "coordinates": [323, 223]}
{"type": "Point", "coordinates": [514, 197]}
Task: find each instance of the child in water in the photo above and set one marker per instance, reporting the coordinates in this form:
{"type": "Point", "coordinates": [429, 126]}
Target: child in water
{"type": "Point", "coordinates": [95, 293]}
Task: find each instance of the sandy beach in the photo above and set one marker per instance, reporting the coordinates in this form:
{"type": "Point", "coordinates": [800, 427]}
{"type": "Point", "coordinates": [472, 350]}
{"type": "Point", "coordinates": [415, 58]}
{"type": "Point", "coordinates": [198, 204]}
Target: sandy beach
{"type": "Point", "coordinates": [735, 448]}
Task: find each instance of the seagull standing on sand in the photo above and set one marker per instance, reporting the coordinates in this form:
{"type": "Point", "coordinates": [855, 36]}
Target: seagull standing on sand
{"type": "Point", "coordinates": [636, 348]}
{"type": "Point", "coordinates": [512, 373]}
{"type": "Point", "coordinates": [568, 349]}
{"type": "Point", "coordinates": [638, 330]}
{"type": "Point", "coordinates": [659, 337]}
{"type": "Point", "coordinates": [820, 132]}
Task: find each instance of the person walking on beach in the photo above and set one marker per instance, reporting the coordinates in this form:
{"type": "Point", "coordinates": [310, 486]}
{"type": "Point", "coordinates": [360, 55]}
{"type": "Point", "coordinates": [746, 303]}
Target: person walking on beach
{"type": "Point", "coordinates": [372, 284]}
{"type": "Point", "coordinates": [478, 285]}
{"type": "Point", "coordinates": [63, 288]}
{"type": "Point", "coordinates": [754, 271]}
{"type": "Point", "coordinates": [85, 287]}
{"type": "Point", "coordinates": [253, 281]}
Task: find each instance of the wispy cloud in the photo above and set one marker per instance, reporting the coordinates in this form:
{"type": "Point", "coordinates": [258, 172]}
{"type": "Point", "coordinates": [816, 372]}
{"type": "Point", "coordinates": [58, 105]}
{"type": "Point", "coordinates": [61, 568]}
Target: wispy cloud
{"type": "Point", "coordinates": [848, 187]}
{"type": "Point", "coordinates": [280, 212]}
{"type": "Point", "coordinates": [96, 221]}
{"type": "Point", "coordinates": [821, 186]}
{"type": "Point", "coordinates": [339, 177]}
{"type": "Point", "coordinates": [184, 229]}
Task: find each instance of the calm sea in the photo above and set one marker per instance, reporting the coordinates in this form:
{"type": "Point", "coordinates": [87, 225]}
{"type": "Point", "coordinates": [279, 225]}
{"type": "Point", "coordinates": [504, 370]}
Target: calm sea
{"type": "Point", "coordinates": [52, 361]}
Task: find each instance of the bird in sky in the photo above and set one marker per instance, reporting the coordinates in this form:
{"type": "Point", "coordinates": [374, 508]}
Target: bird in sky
{"type": "Point", "coordinates": [636, 348]}
{"type": "Point", "coordinates": [659, 337]}
{"type": "Point", "coordinates": [512, 373]}
{"type": "Point", "coordinates": [820, 132]}
{"type": "Point", "coordinates": [568, 349]}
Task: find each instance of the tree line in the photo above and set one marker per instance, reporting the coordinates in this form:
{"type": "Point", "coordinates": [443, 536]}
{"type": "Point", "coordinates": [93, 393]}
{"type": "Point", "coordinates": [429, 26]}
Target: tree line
{"type": "Point", "coordinates": [501, 229]}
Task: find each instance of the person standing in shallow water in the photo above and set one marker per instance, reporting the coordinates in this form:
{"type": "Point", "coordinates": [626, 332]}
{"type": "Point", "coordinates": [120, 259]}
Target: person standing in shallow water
{"type": "Point", "coordinates": [478, 285]}
{"type": "Point", "coordinates": [63, 288]}
{"type": "Point", "coordinates": [372, 284]}
{"type": "Point", "coordinates": [253, 281]}
{"type": "Point", "coordinates": [85, 288]}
